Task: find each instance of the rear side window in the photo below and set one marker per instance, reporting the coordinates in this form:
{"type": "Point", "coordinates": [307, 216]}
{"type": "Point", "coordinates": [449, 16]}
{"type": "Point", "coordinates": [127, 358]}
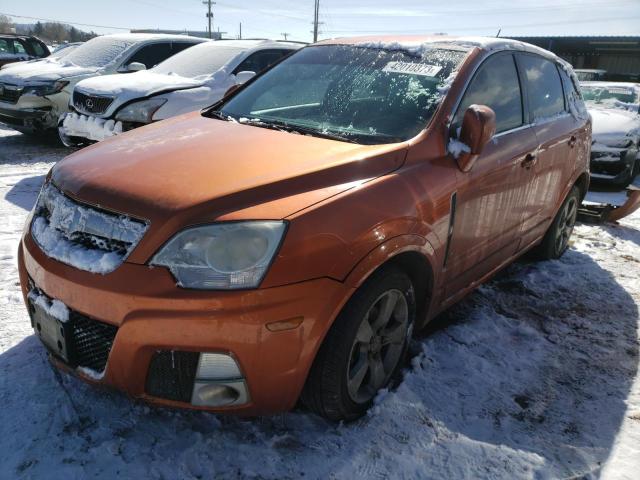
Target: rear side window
{"type": "Point", "coordinates": [151, 55]}
{"type": "Point", "coordinates": [495, 85]}
{"type": "Point", "coordinates": [544, 87]}
{"type": "Point", "coordinates": [5, 48]}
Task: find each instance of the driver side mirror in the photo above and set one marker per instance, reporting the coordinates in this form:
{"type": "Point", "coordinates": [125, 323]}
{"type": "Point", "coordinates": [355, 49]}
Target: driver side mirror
{"type": "Point", "coordinates": [133, 67]}
{"type": "Point", "coordinates": [478, 127]}
{"type": "Point", "coordinates": [244, 76]}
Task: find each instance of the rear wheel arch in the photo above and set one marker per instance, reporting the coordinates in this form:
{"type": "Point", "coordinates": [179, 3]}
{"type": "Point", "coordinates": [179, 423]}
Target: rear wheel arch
{"type": "Point", "coordinates": [582, 183]}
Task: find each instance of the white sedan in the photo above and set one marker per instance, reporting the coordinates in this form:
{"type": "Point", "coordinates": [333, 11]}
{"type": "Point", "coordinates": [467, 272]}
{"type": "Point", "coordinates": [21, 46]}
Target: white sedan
{"type": "Point", "coordinates": [198, 77]}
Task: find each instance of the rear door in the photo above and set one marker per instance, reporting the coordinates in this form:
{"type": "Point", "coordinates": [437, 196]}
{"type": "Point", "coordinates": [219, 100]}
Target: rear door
{"type": "Point", "coordinates": [557, 132]}
{"type": "Point", "coordinates": [490, 199]}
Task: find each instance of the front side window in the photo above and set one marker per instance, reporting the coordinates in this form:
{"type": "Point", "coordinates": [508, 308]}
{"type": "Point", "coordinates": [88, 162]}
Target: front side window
{"type": "Point", "coordinates": [495, 85]}
{"type": "Point", "coordinates": [365, 94]}
{"type": "Point", "coordinates": [37, 48]}
{"type": "Point", "coordinates": [151, 55]}
{"type": "Point", "coordinates": [19, 48]}
{"type": "Point", "coordinates": [544, 88]}
{"type": "Point", "coordinates": [259, 61]}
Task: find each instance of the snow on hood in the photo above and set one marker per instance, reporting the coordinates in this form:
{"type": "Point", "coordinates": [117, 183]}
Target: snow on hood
{"type": "Point", "coordinates": [135, 85]}
{"type": "Point", "coordinates": [44, 71]}
{"type": "Point", "coordinates": [611, 126]}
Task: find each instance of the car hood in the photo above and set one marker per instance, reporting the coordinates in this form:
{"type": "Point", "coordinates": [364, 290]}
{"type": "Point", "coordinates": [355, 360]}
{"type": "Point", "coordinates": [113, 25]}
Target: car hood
{"type": "Point", "coordinates": [134, 85]}
{"type": "Point", "coordinates": [614, 126]}
{"type": "Point", "coordinates": [44, 71]}
{"type": "Point", "coordinates": [190, 170]}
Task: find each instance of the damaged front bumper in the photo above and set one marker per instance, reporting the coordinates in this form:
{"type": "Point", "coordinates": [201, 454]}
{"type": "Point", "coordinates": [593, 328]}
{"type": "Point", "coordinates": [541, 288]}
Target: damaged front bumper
{"type": "Point", "coordinates": [32, 113]}
{"type": "Point", "coordinates": [611, 165]}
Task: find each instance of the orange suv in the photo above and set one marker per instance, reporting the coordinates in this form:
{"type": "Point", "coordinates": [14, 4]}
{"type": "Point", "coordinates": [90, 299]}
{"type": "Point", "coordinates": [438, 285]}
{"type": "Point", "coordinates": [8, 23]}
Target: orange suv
{"type": "Point", "coordinates": [285, 243]}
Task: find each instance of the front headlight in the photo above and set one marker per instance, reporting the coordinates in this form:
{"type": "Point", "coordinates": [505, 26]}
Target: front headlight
{"type": "Point", "coordinates": [140, 112]}
{"type": "Point", "coordinates": [46, 88]}
{"type": "Point", "coordinates": [224, 256]}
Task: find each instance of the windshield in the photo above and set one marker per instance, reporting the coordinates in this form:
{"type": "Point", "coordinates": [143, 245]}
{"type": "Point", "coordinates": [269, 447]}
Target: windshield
{"type": "Point", "coordinates": [602, 93]}
{"type": "Point", "coordinates": [98, 52]}
{"type": "Point", "coordinates": [355, 93]}
{"type": "Point", "coordinates": [204, 59]}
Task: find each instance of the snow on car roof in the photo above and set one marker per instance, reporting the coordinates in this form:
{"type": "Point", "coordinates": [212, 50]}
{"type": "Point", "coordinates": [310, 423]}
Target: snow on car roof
{"type": "Point", "coordinates": [143, 37]}
{"type": "Point", "coordinates": [413, 41]}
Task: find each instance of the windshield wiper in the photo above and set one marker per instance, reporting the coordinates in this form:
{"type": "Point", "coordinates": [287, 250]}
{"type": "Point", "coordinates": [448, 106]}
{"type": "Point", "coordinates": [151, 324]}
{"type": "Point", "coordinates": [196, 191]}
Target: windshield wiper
{"type": "Point", "coordinates": [219, 115]}
{"type": "Point", "coordinates": [288, 127]}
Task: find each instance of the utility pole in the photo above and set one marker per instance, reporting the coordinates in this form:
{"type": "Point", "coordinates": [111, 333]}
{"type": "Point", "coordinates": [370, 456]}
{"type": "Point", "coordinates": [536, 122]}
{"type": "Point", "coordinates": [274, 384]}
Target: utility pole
{"type": "Point", "coordinates": [316, 12]}
{"type": "Point", "coordinates": [208, 3]}
{"type": "Point", "coordinates": [285, 35]}
{"type": "Point", "coordinates": [240, 35]}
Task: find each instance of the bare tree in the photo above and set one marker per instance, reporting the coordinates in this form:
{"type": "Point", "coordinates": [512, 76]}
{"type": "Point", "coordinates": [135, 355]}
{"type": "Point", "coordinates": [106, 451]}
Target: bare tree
{"type": "Point", "coordinates": [6, 25]}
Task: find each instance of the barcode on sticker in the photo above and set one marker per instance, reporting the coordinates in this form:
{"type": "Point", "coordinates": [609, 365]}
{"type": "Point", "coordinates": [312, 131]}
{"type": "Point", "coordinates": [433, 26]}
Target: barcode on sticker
{"type": "Point", "coordinates": [412, 68]}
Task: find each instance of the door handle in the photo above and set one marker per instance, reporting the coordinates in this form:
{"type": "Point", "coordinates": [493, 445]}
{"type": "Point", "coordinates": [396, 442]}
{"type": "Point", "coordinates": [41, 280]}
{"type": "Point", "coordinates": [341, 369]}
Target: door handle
{"type": "Point", "coordinates": [572, 141]}
{"type": "Point", "coordinates": [529, 160]}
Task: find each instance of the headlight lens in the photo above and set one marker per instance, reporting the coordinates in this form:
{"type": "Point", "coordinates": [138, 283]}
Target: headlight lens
{"type": "Point", "coordinates": [140, 112]}
{"type": "Point", "coordinates": [46, 88]}
{"type": "Point", "coordinates": [224, 256]}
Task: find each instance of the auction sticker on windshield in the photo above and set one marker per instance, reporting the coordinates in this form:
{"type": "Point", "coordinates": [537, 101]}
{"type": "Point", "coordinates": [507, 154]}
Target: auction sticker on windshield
{"type": "Point", "coordinates": [412, 68]}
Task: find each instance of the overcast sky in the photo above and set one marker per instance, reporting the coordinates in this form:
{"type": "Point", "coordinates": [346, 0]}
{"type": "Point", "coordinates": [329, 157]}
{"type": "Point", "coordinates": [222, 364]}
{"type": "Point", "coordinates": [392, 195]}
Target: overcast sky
{"type": "Point", "coordinates": [271, 18]}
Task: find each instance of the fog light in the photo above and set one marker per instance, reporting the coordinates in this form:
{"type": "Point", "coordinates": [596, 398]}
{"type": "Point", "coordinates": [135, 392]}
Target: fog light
{"type": "Point", "coordinates": [219, 394]}
{"type": "Point", "coordinates": [218, 382]}
{"type": "Point", "coordinates": [217, 366]}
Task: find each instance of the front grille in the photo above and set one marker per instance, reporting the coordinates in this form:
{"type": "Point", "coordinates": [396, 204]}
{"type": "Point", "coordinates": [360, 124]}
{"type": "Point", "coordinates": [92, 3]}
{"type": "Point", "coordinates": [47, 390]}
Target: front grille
{"type": "Point", "coordinates": [91, 103]}
{"type": "Point", "coordinates": [171, 375]}
{"type": "Point", "coordinates": [82, 236]}
{"type": "Point", "coordinates": [88, 341]}
{"type": "Point", "coordinates": [92, 341]}
{"type": "Point", "coordinates": [10, 93]}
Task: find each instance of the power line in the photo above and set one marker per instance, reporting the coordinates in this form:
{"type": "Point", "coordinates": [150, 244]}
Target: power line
{"type": "Point", "coordinates": [64, 21]}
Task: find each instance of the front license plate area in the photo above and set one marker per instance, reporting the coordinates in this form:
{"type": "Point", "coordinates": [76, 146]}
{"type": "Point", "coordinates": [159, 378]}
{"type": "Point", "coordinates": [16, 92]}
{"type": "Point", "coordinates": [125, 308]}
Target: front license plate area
{"type": "Point", "coordinates": [56, 335]}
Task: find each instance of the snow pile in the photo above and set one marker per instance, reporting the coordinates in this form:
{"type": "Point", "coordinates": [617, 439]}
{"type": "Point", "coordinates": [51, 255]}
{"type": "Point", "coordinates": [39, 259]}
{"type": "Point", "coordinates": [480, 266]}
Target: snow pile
{"type": "Point", "coordinates": [53, 307]}
{"type": "Point", "coordinates": [456, 147]}
{"type": "Point", "coordinates": [93, 128]}
{"type": "Point", "coordinates": [62, 228]}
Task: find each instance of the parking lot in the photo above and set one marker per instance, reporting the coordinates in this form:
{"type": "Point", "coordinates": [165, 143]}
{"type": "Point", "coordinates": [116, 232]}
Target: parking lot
{"type": "Point", "coordinates": [535, 375]}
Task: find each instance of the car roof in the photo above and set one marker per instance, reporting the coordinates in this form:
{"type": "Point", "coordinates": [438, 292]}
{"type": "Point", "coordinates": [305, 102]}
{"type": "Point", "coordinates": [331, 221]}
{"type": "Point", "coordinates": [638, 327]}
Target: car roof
{"type": "Point", "coordinates": [144, 37]}
{"type": "Point", "coordinates": [601, 83]}
{"type": "Point", "coordinates": [259, 42]}
{"type": "Point", "coordinates": [413, 41]}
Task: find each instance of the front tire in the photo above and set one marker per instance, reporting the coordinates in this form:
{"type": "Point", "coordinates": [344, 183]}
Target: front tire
{"type": "Point", "coordinates": [556, 240]}
{"type": "Point", "coordinates": [364, 348]}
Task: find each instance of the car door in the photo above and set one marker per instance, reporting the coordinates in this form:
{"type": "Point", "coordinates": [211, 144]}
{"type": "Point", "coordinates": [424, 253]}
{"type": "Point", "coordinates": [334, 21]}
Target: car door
{"type": "Point", "coordinates": [558, 134]}
{"type": "Point", "coordinates": [490, 199]}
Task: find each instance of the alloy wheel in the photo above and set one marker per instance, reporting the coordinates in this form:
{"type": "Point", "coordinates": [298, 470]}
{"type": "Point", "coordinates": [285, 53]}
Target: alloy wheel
{"type": "Point", "coordinates": [566, 222]}
{"type": "Point", "coordinates": [378, 346]}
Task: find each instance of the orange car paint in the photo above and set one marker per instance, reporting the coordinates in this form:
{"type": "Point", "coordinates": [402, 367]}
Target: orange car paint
{"type": "Point", "coordinates": [350, 209]}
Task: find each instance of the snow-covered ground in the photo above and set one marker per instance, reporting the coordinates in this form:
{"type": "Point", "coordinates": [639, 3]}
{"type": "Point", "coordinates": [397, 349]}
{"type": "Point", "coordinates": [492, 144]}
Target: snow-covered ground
{"type": "Point", "coordinates": [533, 376]}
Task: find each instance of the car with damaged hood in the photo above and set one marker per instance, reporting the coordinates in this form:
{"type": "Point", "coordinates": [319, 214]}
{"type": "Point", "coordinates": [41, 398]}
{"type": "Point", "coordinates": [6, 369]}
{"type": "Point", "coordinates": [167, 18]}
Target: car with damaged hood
{"type": "Point", "coordinates": [196, 78]}
{"type": "Point", "coordinates": [34, 95]}
{"type": "Point", "coordinates": [615, 111]}
{"type": "Point", "coordinates": [285, 243]}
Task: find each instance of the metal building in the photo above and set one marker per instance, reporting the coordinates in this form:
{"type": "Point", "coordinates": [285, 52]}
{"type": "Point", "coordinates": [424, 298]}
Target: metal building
{"type": "Point", "coordinates": [619, 56]}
